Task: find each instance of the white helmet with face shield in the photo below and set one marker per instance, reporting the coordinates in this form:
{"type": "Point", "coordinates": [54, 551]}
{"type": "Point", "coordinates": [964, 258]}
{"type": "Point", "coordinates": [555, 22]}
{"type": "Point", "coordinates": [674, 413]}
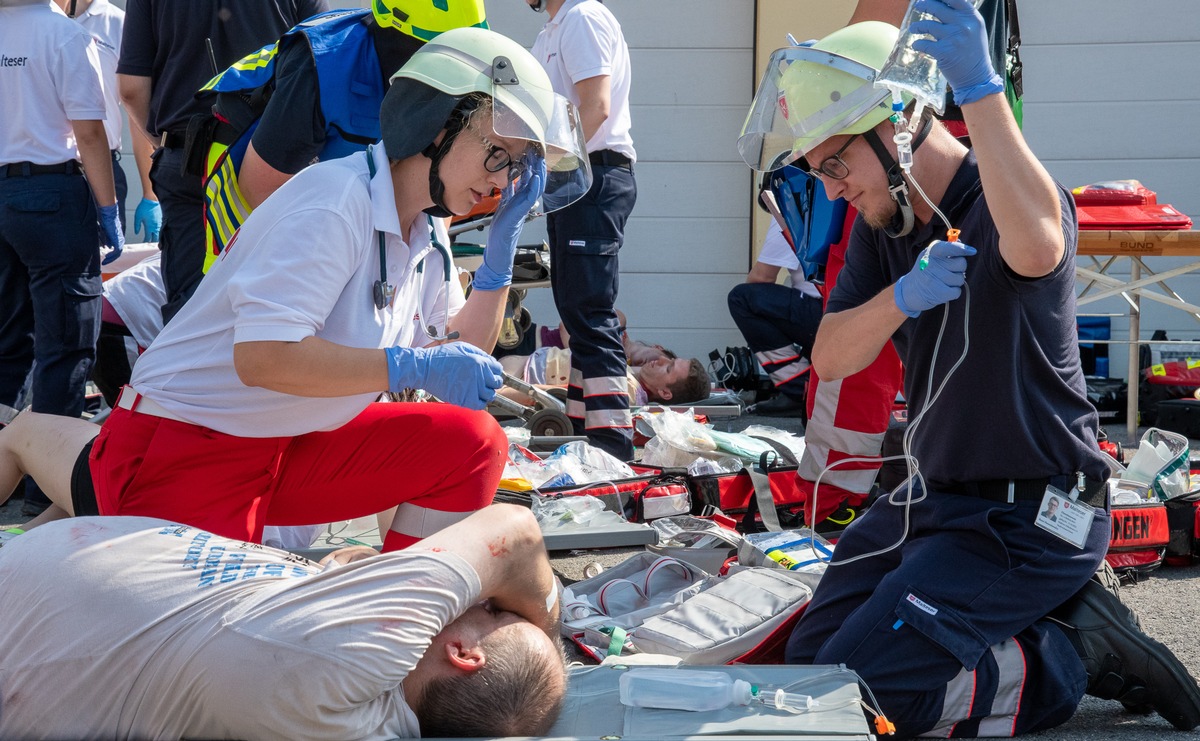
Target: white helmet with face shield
{"type": "Point", "coordinates": [811, 93]}
{"type": "Point", "coordinates": [442, 83]}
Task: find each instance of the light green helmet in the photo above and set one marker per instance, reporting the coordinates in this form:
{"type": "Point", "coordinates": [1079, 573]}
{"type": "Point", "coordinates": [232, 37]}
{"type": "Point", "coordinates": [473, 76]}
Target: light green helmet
{"type": "Point", "coordinates": [812, 93]}
{"type": "Point", "coordinates": [427, 92]}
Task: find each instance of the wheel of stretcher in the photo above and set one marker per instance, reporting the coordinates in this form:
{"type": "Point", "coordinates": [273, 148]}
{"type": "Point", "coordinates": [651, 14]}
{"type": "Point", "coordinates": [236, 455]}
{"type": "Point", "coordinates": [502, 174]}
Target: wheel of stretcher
{"type": "Point", "coordinates": [549, 423]}
{"type": "Point", "coordinates": [523, 319]}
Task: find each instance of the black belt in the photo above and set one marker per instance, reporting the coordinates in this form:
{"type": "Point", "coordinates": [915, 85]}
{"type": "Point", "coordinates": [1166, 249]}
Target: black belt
{"type": "Point", "coordinates": [1095, 491]}
{"type": "Point", "coordinates": [173, 139]}
{"type": "Point", "coordinates": [609, 158]}
{"type": "Point", "coordinates": [25, 169]}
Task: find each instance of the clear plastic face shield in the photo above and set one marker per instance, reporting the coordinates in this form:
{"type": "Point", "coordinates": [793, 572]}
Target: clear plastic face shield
{"type": "Point", "coordinates": [805, 97]}
{"type": "Point", "coordinates": [537, 115]}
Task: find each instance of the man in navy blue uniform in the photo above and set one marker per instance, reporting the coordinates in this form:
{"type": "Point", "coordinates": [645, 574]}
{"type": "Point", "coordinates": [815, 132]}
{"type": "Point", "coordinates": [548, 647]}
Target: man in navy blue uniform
{"type": "Point", "coordinates": [966, 613]}
{"type": "Point", "coordinates": [583, 50]}
{"type": "Point", "coordinates": [169, 50]}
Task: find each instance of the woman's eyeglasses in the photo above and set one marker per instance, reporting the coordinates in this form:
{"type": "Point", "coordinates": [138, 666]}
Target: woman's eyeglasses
{"type": "Point", "coordinates": [498, 159]}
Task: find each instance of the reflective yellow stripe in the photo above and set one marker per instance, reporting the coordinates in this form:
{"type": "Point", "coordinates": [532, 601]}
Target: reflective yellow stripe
{"type": "Point", "coordinates": [1158, 370]}
{"type": "Point", "coordinates": [218, 214]}
{"type": "Point", "coordinates": [257, 60]}
{"type": "Point", "coordinates": [227, 208]}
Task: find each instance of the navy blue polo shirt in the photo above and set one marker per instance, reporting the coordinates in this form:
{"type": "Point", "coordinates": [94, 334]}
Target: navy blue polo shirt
{"type": "Point", "coordinates": [165, 41]}
{"type": "Point", "coordinates": [1017, 406]}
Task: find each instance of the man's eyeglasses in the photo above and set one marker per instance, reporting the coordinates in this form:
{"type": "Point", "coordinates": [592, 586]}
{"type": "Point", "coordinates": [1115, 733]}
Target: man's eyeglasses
{"type": "Point", "coordinates": [834, 167]}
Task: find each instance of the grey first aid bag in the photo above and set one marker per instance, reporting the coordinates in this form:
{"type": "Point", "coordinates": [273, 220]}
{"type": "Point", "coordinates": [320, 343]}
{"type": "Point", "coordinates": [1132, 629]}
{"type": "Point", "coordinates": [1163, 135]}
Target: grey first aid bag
{"type": "Point", "coordinates": [661, 605]}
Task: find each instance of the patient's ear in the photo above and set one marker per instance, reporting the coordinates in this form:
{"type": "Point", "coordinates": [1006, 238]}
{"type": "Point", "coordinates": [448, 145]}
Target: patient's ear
{"type": "Point", "coordinates": [464, 657]}
{"type": "Point", "coordinates": [664, 393]}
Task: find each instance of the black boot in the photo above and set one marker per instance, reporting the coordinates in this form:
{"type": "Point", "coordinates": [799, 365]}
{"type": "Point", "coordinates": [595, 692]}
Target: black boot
{"type": "Point", "coordinates": [1121, 661]}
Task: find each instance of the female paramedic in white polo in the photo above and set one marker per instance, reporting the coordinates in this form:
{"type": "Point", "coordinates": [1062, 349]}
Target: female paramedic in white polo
{"type": "Point", "coordinates": [254, 405]}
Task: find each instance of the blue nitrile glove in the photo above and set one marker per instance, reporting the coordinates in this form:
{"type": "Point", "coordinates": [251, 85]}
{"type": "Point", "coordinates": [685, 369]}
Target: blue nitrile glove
{"type": "Point", "coordinates": [937, 278]}
{"type": "Point", "coordinates": [515, 201]}
{"type": "Point", "coordinates": [149, 217]}
{"type": "Point", "coordinates": [111, 234]}
{"type": "Point", "coordinates": [456, 373]}
{"type": "Point", "coordinates": [960, 46]}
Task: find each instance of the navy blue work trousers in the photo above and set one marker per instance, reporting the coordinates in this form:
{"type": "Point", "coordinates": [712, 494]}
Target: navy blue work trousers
{"type": "Point", "coordinates": [181, 240]}
{"type": "Point", "coordinates": [774, 318]}
{"type": "Point", "coordinates": [947, 629]}
{"type": "Point", "coordinates": [585, 239]}
{"type": "Point", "coordinates": [49, 288]}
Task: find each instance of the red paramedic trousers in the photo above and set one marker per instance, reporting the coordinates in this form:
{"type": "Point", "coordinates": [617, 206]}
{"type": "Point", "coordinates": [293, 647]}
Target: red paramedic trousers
{"type": "Point", "coordinates": [443, 460]}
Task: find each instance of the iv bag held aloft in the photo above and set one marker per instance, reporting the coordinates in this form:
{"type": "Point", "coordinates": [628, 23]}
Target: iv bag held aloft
{"type": "Point", "coordinates": [914, 72]}
{"type": "Point", "coordinates": [683, 689]}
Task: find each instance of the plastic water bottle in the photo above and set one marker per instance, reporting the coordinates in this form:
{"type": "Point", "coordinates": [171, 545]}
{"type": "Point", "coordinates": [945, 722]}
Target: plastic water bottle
{"type": "Point", "coordinates": [683, 689]}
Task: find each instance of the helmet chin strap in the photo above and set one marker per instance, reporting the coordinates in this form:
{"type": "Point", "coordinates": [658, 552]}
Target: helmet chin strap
{"type": "Point", "coordinates": [436, 152]}
{"type": "Point", "coordinates": [903, 221]}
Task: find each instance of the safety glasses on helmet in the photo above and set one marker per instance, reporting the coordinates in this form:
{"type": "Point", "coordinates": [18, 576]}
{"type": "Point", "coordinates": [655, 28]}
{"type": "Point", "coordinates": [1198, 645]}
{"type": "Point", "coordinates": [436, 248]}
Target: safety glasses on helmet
{"type": "Point", "coordinates": [806, 96]}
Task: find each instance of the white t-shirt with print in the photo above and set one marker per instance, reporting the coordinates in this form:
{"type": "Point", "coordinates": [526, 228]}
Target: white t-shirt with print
{"type": "Point", "coordinates": [133, 627]}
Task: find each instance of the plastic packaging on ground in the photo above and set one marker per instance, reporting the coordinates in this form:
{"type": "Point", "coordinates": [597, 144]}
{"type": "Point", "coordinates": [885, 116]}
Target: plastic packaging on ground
{"type": "Point", "coordinates": [679, 441]}
{"type": "Point", "coordinates": [575, 463]}
{"type": "Point", "coordinates": [558, 513]}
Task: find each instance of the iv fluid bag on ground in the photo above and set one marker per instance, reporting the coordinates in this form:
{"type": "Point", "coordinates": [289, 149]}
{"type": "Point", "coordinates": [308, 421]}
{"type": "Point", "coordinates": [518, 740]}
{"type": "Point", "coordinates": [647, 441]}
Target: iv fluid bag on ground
{"type": "Point", "coordinates": [682, 689]}
{"type": "Point", "coordinates": [914, 72]}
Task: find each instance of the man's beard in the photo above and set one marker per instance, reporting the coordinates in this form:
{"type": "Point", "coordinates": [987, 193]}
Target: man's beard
{"type": "Point", "coordinates": [880, 218]}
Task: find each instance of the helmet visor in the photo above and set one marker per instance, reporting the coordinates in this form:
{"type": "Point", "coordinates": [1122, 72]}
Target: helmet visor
{"type": "Point", "coordinates": [806, 96]}
{"type": "Point", "coordinates": [543, 117]}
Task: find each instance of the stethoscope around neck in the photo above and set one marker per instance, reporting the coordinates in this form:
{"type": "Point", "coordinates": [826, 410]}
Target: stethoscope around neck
{"type": "Point", "coordinates": [383, 292]}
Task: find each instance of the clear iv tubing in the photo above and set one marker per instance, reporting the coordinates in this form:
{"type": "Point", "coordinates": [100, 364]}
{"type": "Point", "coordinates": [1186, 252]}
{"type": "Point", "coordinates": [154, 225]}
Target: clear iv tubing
{"type": "Point", "coordinates": [872, 707]}
{"type": "Point", "coordinates": [912, 467]}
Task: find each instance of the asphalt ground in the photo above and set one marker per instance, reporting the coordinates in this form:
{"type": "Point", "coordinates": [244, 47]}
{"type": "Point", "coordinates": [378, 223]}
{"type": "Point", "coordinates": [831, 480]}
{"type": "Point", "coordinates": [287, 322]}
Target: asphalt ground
{"type": "Point", "coordinates": [1167, 601]}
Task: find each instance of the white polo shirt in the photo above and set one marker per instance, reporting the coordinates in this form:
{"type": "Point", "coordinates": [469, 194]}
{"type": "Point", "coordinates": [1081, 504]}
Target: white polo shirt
{"type": "Point", "coordinates": [776, 251]}
{"type": "Point", "coordinates": [582, 41]}
{"type": "Point", "coordinates": [133, 627]}
{"type": "Point", "coordinates": [49, 77]}
{"type": "Point", "coordinates": [105, 21]}
{"type": "Point", "coordinates": [303, 265]}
